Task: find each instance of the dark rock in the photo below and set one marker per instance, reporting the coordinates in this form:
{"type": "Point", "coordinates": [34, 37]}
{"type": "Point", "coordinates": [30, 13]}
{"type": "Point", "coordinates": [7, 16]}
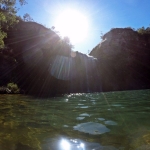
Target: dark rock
{"type": "Point", "coordinates": [5, 90]}
{"type": "Point", "coordinates": [123, 56]}
{"type": "Point", "coordinates": [45, 65]}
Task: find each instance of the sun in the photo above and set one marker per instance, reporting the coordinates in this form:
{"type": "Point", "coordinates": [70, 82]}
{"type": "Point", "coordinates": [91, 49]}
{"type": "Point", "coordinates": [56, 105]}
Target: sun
{"type": "Point", "coordinates": [73, 24]}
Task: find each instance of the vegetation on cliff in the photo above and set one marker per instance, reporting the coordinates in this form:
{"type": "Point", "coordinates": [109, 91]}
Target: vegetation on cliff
{"type": "Point", "coordinates": [8, 17]}
{"type": "Point", "coordinates": [144, 31]}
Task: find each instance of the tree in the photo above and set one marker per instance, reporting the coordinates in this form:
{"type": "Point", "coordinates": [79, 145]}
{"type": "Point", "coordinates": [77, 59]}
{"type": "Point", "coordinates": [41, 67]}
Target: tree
{"type": "Point", "coordinates": [144, 30]}
{"type": "Point", "coordinates": [27, 18]}
{"type": "Point", "coordinates": [8, 17]}
{"type": "Point", "coordinates": [53, 28]}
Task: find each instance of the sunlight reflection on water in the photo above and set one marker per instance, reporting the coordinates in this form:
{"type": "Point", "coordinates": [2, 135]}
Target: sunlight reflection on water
{"type": "Point", "coordinates": [73, 144]}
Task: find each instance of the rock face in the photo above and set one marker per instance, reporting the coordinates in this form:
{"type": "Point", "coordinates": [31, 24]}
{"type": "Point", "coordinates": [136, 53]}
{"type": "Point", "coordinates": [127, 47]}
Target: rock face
{"type": "Point", "coordinates": [5, 90]}
{"type": "Point", "coordinates": [47, 65]}
{"type": "Point", "coordinates": [7, 65]}
{"type": "Point", "coordinates": [44, 64]}
{"type": "Point", "coordinates": [124, 58]}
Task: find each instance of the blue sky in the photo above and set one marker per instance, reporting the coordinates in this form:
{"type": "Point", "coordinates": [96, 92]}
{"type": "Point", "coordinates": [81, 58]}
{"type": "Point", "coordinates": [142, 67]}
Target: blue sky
{"type": "Point", "coordinates": [102, 15]}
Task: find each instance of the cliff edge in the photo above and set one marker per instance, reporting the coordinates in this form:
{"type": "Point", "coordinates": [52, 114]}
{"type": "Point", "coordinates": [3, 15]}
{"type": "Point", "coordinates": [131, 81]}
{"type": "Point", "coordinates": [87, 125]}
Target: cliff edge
{"type": "Point", "coordinates": [124, 58]}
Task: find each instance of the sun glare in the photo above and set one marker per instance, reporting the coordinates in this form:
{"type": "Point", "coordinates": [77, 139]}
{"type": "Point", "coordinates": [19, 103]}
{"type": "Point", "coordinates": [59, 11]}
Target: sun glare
{"type": "Point", "coordinates": [73, 24]}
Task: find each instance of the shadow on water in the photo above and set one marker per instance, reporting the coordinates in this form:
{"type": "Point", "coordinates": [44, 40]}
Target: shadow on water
{"type": "Point", "coordinates": [100, 121]}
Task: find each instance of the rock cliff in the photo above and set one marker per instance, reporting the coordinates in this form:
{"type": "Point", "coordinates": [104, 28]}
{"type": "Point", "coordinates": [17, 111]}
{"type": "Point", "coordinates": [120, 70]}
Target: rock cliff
{"type": "Point", "coordinates": [124, 58]}
{"type": "Point", "coordinates": [43, 64]}
{"type": "Point", "coordinates": [46, 65]}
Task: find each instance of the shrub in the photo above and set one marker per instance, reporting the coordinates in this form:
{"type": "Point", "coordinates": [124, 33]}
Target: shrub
{"type": "Point", "coordinates": [13, 87]}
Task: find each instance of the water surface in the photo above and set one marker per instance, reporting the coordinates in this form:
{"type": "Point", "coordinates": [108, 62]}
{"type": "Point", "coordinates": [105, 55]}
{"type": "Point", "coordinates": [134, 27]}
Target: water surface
{"type": "Point", "coordinates": [100, 121]}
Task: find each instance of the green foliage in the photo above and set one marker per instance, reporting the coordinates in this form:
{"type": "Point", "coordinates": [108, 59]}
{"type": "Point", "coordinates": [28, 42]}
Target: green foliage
{"type": "Point", "coordinates": [27, 18]}
{"type": "Point", "coordinates": [2, 36]}
{"type": "Point", "coordinates": [8, 17]}
{"type": "Point", "coordinates": [13, 87]}
{"type": "Point", "coordinates": [144, 30]}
